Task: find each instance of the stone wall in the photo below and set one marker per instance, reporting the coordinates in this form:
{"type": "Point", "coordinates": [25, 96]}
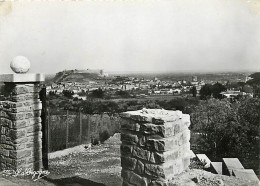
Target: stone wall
{"type": "Point", "coordinates": [20, 127]}
{"type": "Point", "coordinates": [155, 146]}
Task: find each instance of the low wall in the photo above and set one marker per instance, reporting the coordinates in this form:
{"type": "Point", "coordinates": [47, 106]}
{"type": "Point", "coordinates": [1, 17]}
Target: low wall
{"type": "Point", "coordinates": [155, 146]}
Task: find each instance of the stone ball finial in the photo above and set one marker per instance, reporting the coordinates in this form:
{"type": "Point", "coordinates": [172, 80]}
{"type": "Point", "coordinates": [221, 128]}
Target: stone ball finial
{"type": "Point", "coordinates": [20, 64]}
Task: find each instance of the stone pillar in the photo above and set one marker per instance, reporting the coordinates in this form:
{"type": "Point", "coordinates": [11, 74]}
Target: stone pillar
{"type": "Point", "coordinates": [155, 146]}
{"type": "Point", "coordinates": [20, 122]}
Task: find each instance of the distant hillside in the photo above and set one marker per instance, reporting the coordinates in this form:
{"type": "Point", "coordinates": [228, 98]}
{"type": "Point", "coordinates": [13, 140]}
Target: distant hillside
{"type": "Point", "coordinates": [255, 80]}
{"type": "Point", "coordinates": [49, 78]}
{"type": "Point", "coordinates": [76, 76]}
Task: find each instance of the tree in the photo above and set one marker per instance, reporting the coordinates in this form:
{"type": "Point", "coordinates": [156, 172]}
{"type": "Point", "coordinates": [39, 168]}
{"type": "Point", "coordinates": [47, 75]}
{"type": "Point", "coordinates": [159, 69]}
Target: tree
{"type": "Point", "coordinates": [212, 90]}
{"type": "Point", "coordinates": [99, 93]}
{"type": "Point", "coordinates": [206, 91]}
{"type": "Point", "coordinates": [216, 89]}
{"type": "Point", "coordinates": [123, 94]}
{"type": "Point", "coordinates": [249, 117]}
{"type": "Point", "coordinates": [226, 128]}
{"type": "Point", "coordinates": [82, 93]}
{"type": "Point", "coordinates": [255, 80]}
{"type": "Point", "coordinates": [194, 91]}
{"type": "Point", "coordinates": [256, 90]}
{"type": "Point", "coordinates": [52, 93]}
{"type": "Point", "coordinates": [68, 93]}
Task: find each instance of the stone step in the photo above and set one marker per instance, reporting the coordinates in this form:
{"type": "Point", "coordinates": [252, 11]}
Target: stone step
{"type": "Point", "coordinates": [204, 159]}
{"type": "Point", "coordinates": [245, 174]}
{"type": "Point", "coordinates": [216, 167]}
{"type": "Point", "coordinates": [230, 164]}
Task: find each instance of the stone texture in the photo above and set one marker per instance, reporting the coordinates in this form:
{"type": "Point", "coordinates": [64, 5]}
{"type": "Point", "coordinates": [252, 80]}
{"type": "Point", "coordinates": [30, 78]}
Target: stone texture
{"type": "Point", "coordinates": [129, 138]}
{"type": "Point", "coordinates": [126, 150]}
{"type": "Point", "coordinates": [20, 127]}
{"type": "Point", "coordinates": [128, 162]}
{"type": "Point", "coordinates": [155, 146]}
{"type": "Point", "coordinates": [133, 178]}
{"type": "Point", "coordinates": [141, 153]}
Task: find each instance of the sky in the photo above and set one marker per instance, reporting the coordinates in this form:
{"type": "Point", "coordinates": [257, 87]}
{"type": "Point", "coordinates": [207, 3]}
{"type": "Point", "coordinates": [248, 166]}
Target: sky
{"type": "Point", "coordinates": [128, 36]}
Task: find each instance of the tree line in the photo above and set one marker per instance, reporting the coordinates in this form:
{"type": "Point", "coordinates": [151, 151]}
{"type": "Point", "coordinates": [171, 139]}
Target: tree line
{"type": "Point", "coordinates": [227, 128]}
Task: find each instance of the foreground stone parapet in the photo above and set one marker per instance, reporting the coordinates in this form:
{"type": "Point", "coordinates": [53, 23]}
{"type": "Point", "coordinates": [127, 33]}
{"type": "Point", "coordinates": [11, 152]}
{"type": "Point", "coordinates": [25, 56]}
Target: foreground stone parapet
{"type": "Point", "coordinates": [20, 123]}
{"type": "Point", "coordinates": [155, 146]}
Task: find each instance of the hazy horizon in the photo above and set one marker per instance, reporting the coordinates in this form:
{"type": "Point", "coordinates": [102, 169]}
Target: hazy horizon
{"type": "Point", "coordinates": [132, 36]}
{"type": "Point", "coordinates": [166, 73]}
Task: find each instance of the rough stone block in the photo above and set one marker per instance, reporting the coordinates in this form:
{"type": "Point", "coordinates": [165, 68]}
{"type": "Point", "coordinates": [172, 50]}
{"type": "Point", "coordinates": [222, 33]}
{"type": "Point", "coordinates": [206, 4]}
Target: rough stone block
{"type": "Point", "coordinates": [34, 137]}
{"type": "Point", "coordinates": [156, 116]}
{"type": "Point", "coordinates": [186, 148]}
{"type": "Point", "coordinates": [17, 116]}
{"type": "Point", "coordinates": [6, 122]}
{"type": "Point", "coordinates": [37, 143]}
{"type": "Point", "coordinates": [7, 147]}
{"type": "Point", "coordinates": [150, 128]}
{"type": "Point", "coordinates": [34, 128]}
{"type": "Point", "coordinates": [10, 104]}
{"type": "Point", "coordinates": [186, 120]}
{"type": "Point", "coordinates": [129, 138]}
{"type": "Point", "coordinates": [139, 169]}
{"type": "Point", "coordinates": [21, 140]}
{"type": "Point", "coordinates": [34, 158]}
{"type": "Point", "coordinates": [161, 157]}
{"type": "Point", "coordinates": [19, 123]}
{"type": "Point", "coordinates": [177, 166]}
{"type": "Point", "coordinates": [159, 171]}
{"type": "Point", "coordinates": [19, 146]}
{"type": "Point", "coordinates": [142, 141]}
{"type": "Point", "coordinates": [26, 108]}
{"type": "Point", "coordinates": [185, 137]}
{"type": "Point", "coordinates": [4, 152]}
{"type": "Point", "coordinates": [127, 124]}
{"type": "Point", "coordinates": [138, 180]}
{"type": "Point", "coordinates": [25, 88]}
{"type": "Point", "coordinates": [164, 144]}
{"type": "Point", "coordinates": [25, 97]}
{"type": "Point", "coordinates": [128, 162]}
{"type": "Point", "coordinates": [141, 153]}
{"type": "Point", "coordinates": [15, 134]}
{"type": "Point", "coordinates": [186, 162]}
{"type": "Point", "coordinates": [134, 178]}
{"type": "Point", "coordinates": [20, 153]}
{"type": "Point", "coordinates": [34, 120]}
{"type": "Point", "coordinates": [125, 183]}
{"type": "Point", "coordinates": [125, 174]}
{"type": "Point", "coordinates": [33, 114]}
{"type": "Point", "coordinates": [3, 139]}
{"type": "Point", "coordinates": [126, 150]}
{"type": "Point", "coordinates": [19, 162]}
